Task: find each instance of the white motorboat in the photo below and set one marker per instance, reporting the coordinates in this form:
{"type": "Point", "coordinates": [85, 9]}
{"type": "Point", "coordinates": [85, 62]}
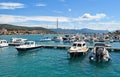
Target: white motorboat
{"type": "Point", "coordinates": [69, 38]}
{"type": "Point", "coordinates": [78, 48]}
{"type": "Point", "coordinates": [99, 53]}
{"type": "Point", "coordinates": [17, 41]}
{"type": "Point", "coordinates": [58, 39]}
{"type": "Point", "coordinates": [45, 39]}
{"type": "Point", "coordinates": [3, 43]}
{"type": "Point", "coordinates": [27, 46]}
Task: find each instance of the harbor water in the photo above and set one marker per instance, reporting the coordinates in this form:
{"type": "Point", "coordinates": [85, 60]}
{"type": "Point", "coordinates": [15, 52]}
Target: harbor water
{"type": "Point", "coordinates": [49, 62]}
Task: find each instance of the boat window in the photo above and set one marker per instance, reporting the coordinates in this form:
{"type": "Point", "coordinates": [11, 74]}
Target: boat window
{"type": "Point", "coordinates": [84, 44]}
{"type": "Point", "coordinates": [4, 41]}
{"type": "Point", "coordinates": [74, 44]}
{"type": "Point", "coordinates": [32, 43]}
{"type": "Point", "coordinates": [79, 45]}
{"type": "Point", "coordinates": [27, 43]}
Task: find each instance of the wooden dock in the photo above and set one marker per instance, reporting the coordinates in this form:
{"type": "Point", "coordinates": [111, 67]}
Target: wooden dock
{"type": "Point", "coordinates": [68, 46]}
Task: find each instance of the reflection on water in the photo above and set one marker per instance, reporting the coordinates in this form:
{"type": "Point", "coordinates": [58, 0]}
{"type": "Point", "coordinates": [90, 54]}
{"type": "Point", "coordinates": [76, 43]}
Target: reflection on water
{"type": "Point", "coordinates": [3, 48]}
{"type": "Point", "coordinates": [100, 64]}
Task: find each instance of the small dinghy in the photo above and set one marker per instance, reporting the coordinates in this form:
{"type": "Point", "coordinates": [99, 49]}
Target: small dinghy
{"type": "Point", "coordinates": [78, 48]}
{"type": "Point", "coordinates": [3, 43]}
{"type": "Point", "coordinates": [99, 53]}
{"type": "Point", "coordinates": [27, 46]}
{"type": "Point", "coordinates": [46, 39]}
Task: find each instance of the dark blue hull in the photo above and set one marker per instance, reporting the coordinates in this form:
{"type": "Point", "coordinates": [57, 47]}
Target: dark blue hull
{"type": "Point", "coordinates": [25, 49]}
{"type": "Point", "coordinates": [76, 54]}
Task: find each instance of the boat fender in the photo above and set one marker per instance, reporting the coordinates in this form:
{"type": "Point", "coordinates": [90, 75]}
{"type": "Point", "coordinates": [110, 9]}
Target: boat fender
{"type": "Point", "coordinates": [91, 58]}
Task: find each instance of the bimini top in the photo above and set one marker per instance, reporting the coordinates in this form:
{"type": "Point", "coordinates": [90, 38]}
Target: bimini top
{"type": "Point", "coordinates": [99, 44]}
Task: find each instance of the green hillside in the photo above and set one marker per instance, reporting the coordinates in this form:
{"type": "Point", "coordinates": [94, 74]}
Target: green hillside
{"type": "Point", "coordinates": [14, 27]}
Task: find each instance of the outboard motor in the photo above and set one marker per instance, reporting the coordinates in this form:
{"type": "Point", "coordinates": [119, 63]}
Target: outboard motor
{"type": "Point", "coordinates": [99, 54]}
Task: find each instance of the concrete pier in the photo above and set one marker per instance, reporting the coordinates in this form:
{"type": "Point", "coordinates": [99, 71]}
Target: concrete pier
{"type": "Point", "coordinates": [68, 46]}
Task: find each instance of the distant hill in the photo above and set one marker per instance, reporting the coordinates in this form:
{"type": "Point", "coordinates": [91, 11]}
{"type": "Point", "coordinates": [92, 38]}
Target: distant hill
{"type": "Point", "coordinates": [14, 27]}
{"type": "Point", "coordinates": [84, 30]}
{"type": "Point", "coordinates": [116, 32]}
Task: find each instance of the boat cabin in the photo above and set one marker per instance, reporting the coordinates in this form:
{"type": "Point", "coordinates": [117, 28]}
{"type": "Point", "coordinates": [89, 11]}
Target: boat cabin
{"type": "Point", "coordinates": [18, 40]}
{"type": "Point", "coordinates": [79, 44]}
{"type": "Point", "coordinates": [3, 41]}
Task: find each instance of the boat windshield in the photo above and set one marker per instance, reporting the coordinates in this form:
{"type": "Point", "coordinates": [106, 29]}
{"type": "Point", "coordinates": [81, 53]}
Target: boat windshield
{"type": "Point", "coordinates": [74, 44]}
{"type": "Point", "coordinates": [99, 48]}
{"type": "Point", "coordinates": [4, 42]}
{"type": "Point", "coordinates": [79, 45]}
{"type": "Point", "coordinates": [28, 43]}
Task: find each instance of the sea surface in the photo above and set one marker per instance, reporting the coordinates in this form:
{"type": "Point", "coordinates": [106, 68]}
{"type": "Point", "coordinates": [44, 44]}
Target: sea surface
{"type": "Point", "coordinates": [46, 62]}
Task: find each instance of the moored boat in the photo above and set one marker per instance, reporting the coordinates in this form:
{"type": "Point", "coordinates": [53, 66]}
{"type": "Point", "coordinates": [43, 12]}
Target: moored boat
{"type": "Point", "coordinates": [78, 48]}
{"type": "Point", "coordinates": [17, 41]}
{"type": "Point", "coordinates": [27, 46]}
{"type": "Point", "coordinates": [99, 53]}
{"type": "Point", "coordinates": [3, 43]}
{"type": "Point", "coordinates": [57, 39]}
{"type": "Point", "coordinates": [46, 39]}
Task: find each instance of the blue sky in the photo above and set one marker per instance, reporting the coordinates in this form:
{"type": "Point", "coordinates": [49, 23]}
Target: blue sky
{"type": "Point", "coordinates": [77, 14]}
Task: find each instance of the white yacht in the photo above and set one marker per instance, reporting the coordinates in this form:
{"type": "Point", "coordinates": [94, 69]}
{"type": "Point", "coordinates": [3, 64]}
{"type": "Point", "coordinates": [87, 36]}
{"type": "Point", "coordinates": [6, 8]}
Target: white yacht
{"type": "Point", "coordinates": [17, 41]}
{"type": "Point", "coordinates": [27, 46]}
{"type": "Point", "coordinates": [3, 43]}
{"type": "Point", "coordinates": [99, 53]}
{"type": "Point", "coordinates": [78, 48]}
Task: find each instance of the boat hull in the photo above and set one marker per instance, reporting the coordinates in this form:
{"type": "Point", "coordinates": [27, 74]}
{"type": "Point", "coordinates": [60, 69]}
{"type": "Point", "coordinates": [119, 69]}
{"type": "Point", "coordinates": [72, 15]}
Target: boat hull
{"type": "Point", "coordinates": [77, 54]}
{"type": "Point", "coordinates": [6, 45]}
{"type": "Point", "coordinates": [3, 46]}
{"type": "Point", "coordinates": [24, 49]}
{"type": "Point", "coordinates": [15, 44]}
{"type": "Point", "coordinates": [93, 58]}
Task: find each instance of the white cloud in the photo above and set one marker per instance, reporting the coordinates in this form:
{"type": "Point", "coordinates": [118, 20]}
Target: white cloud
{"type": "Point", "coordinates": [64, 22]}
{"type": "Point", "coordinates": [88, 17]}
{"type": "Point", "coordinates": [105, 23]}
{"type": "Point", "coordinates": [11, 19]}
{"type": "Point", "coordinates": [41, 5]}
{"type": "Point", "coordinates": [110, 25]}
{"type": "Point", "coordinates": [11, 5]}
{"type": "Point", "coordinates": [49, 18]}
{"type": "Point", "coordinates": [14, 18]}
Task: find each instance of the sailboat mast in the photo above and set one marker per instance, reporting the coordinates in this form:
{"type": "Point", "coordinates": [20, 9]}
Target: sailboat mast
{"type": "Point", "coordinates": [57, 23]}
